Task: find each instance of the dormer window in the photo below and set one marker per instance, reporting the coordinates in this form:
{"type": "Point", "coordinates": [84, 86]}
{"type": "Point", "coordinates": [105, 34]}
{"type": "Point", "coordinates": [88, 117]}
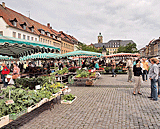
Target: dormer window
{"type": "Point", "coordinates": [31, 28]}
{"type": "Point", "coordinates": [42, 31]}
{"type": "Point", "coordinates": [23, 25]}
{"type": "Point", "coordinates": [53, 36]}
{"type": "Point", "coordinates": [14, 22]}
{"type": "Point", "coordinates": [48, 34]}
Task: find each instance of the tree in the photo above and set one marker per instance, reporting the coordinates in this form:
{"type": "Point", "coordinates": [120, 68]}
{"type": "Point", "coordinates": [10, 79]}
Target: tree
{"type": "Point", "coordinates": [129, 48]}
{"type": "Point", "coordinates": [84, 47]}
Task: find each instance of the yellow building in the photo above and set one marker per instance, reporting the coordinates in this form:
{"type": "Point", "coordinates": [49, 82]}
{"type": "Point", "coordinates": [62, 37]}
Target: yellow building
{"type": "Point", "coordinates": [112, 45]}
{"type": "Point", "coordinates": [67, 43]}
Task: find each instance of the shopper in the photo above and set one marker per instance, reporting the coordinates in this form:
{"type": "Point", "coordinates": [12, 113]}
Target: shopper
{"type": "Point", "coordinates": [16, 71]}
{"type": "Point", "coordinates": [137, 76]}
{"type": "Point", "coordinates": [145, 69]}
{"type": "Point", "coordinates": [153, 76]}
{"type": "Point", "coordinates": [129, 67]}
{"type": "Point", "coordinates": [96, 65]}
{"type": "Point", "coordinates": [113, 66]}
{"type": "Point", "coordinates": [4, 73]}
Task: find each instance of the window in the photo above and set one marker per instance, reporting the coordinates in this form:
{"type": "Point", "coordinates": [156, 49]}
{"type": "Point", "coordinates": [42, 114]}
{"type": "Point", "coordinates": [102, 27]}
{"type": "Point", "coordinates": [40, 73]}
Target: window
{"type": "Point", "coordinates": [14, 34]}
{"type": "Point", "coordinates": [53, 36]}
{"type": "Point", "coordinates": [31, 38]}
{"type": "Point", "coordinates": [19, 35]}
{"type": "Point", "coordinates": [28, 37]}
{"type": "Point", "coordinates": [41, 40]}
{"type": "Point", "coordinates": [32, 29]}
{"type": "Point", "coordinates": [1, 33]}
{"type": "Point", "coordinates": [14, 23]}
{"type": "Point", "coordinates": [35, 39]}
{"type": "Point", "coordinates": [24, 36]}
{"type": "Point", "coordinates": [24, 27]}
{"type": "Point", "coordinates": [113, 49]}
{"type": "Point", "coordinates": [48, 41]}
{"type": "Point", "coordinates": [48, 34]}
{"type": "Point", "coordinates": [64, 44]}
{"type": "Point", "coordinates": [42, 32]}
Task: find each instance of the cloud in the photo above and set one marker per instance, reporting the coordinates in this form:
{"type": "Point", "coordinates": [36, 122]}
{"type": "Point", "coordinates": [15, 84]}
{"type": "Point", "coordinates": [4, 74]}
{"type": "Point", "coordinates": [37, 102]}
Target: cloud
{"type": "Point", "coordinates": [137, 20]}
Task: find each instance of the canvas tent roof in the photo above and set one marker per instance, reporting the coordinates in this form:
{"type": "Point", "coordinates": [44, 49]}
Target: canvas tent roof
{"type": "Point", "coordinates": [18, 48]}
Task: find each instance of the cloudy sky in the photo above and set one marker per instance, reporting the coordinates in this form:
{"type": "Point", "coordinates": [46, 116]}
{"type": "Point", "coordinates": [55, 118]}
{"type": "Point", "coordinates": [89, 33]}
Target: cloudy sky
{"type": "Point", "coordinates": [137, 20]}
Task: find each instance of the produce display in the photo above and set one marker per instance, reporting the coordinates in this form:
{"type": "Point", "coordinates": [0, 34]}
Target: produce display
{"type": "Point", "coordinates": [73, 69]}
{"type": "Point", "coordinates": [31, 82]}
{"type": "Point", "coordinates": [69, 97]}
{"type": "Point", "coordinates": [24, 97]}
{"type": "Point", "coordinates": [84, 74]}
{"type": "Point", "coordinates": [63, 71]}
{"type": "Point", "coordinates": [93, 75]}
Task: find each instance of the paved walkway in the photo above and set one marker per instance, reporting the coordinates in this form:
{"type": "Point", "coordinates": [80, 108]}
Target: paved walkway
{"type": "Point", "coordinates": [110, 105]}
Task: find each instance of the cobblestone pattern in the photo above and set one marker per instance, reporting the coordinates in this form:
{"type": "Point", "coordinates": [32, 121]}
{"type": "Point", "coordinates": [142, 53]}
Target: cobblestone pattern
{"type": "Point", "coordinates": [97, 108]}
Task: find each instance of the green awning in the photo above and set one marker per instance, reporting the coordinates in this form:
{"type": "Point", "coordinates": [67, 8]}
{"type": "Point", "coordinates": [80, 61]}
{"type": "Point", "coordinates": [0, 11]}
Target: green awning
{"type": "Point", "coordinates": [82, 53]}
{"type": "Point", "coordinates": [6, 58]}
{"type": "Point", "coordinates": [18, 49]}
{"type": "Point", "coordinates": [4, 39]}
{"type": "Point", "coordinates": [40, 56]}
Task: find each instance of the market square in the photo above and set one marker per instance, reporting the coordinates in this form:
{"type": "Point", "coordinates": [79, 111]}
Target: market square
{"type": "Point", "coordinates": [79, 64]}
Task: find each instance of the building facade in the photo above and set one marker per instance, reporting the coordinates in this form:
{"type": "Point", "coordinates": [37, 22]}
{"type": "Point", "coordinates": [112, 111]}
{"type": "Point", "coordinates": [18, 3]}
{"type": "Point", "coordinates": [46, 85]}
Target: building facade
{"type": "Point", "coordinates": [112, 45]}
{"type": "Point", "coordinates": [68, 43]}
{"type": "Point", "coordinates": [152, 49]}
{"type": "Point", "coordinates": [14, 24]}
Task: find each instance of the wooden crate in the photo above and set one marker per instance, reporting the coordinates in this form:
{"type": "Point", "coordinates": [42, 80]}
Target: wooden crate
{"type": "Point", "coordinates": [4, 120]}
{"type": "Point", "coordinates": [68, 102]}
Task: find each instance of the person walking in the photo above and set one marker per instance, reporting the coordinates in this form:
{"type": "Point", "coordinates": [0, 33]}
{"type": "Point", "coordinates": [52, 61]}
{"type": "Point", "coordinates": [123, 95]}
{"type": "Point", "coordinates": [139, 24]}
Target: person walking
{"type": "Point", "coordinates": [113, 66]}
{"type": "Point", "coordinates": [153, 76]}
{"type": "Point", "coordinates": [137, 76]}
{"type": "Point", "coordinates": [4, 73]}
{"type": "Point", "coordinates": [129, 67]}
{"type": "Point", "coordinates": [145, 69]}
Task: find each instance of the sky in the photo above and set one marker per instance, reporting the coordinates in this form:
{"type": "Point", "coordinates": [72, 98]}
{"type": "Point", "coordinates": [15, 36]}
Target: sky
{"type": "Point", "coordinates": [136, 20]}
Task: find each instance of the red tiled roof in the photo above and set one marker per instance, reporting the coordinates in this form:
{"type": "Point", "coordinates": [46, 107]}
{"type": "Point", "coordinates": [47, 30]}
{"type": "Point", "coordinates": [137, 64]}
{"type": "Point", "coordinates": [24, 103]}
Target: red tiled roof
{"type": "Point", "coordinates": [9, 14]}
{"type": "Point", "coordinates": [68, 37]}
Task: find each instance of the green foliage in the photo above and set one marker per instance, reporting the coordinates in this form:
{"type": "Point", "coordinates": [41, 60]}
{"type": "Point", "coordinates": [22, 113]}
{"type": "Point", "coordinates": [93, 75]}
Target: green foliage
{"type": "Point", "coordinates": [129, 48]}
{"type": "Point", "coordinates": [24, 98]}
{"type": "Point", "coordinates": [82, 46]}
{"type": "Point", "coordinates": [69, 97]}
{"type": "Point", "coordinates": [64, 70]}
{"type": "Point", "coordinates": [31, 82]}
{"type": "Point", "coordinates": [92, 75]}
{"type": "Point", "coordinates": [108, 68]}
{"type": "Point", "coordinates": [82, 73]}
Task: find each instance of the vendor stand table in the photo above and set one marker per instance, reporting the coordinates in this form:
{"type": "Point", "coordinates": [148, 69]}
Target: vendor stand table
{"type": "Point", "coordinates": [64, 78]}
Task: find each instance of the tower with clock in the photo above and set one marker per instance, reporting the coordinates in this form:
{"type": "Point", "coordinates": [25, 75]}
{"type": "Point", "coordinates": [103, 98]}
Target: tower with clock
{"type": "Point", "coordinates": [100, 38]}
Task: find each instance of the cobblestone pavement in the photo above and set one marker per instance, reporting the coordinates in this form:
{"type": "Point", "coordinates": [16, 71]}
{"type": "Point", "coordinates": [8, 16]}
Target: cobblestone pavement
{"type": "Point", "coordinates": [108, 106]}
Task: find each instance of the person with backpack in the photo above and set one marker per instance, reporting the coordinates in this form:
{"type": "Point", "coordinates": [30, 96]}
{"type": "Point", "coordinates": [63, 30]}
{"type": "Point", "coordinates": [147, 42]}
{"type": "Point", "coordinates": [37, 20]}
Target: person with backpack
{"type": "Point", "coordinates": [4, 73]}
